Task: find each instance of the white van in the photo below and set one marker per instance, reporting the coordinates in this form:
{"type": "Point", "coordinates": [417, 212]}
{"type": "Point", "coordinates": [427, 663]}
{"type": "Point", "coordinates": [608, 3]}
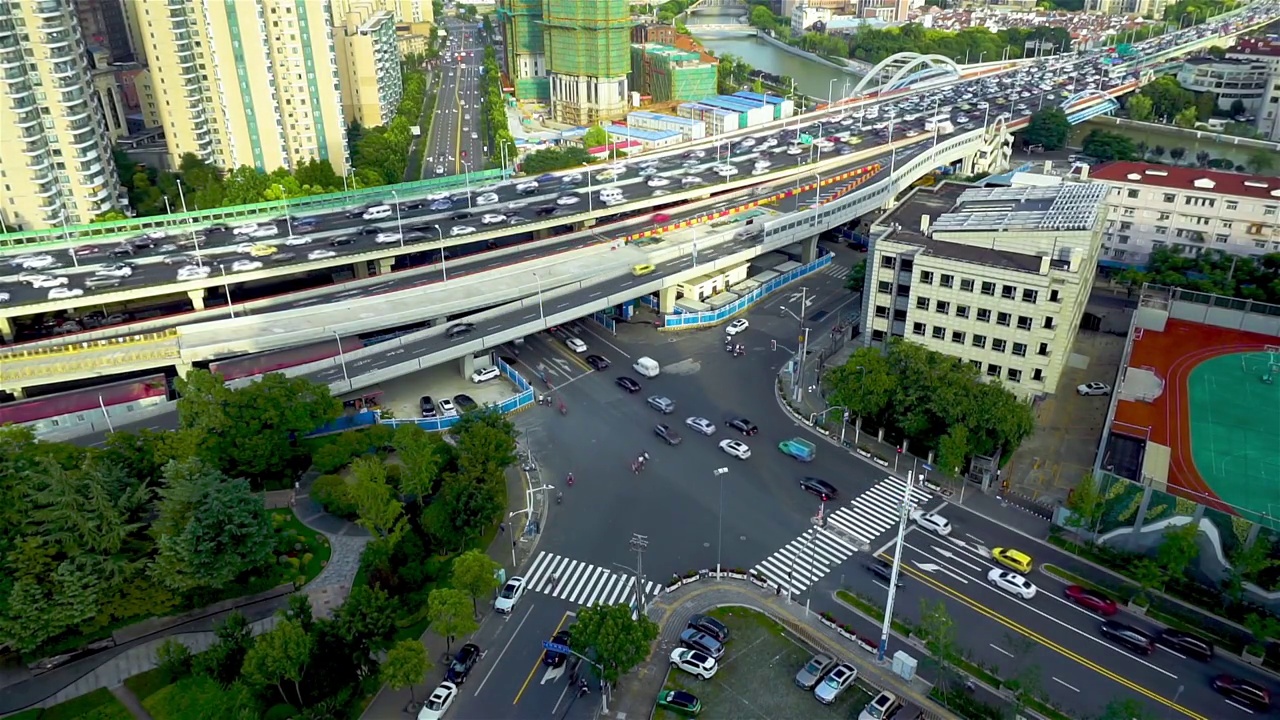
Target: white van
{"type": "Point", "coordinates": [647, 367]}
{"type": "Point", "coordinates": [610, 195]}
{"type": "Point", "coordinates": [378, 212]}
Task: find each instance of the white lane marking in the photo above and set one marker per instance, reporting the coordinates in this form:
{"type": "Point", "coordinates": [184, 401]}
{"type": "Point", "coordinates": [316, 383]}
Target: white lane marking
{"type": "Point", "coordinates": [510, 640]}
{"type": "Point", "coordinates": [1066, 685]}
{"type": "Point", "coordinates": [1000, 649]}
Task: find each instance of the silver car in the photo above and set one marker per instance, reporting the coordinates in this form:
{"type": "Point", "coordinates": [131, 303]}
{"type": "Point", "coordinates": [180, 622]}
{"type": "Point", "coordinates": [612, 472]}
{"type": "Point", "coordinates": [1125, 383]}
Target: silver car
{"type": "Point", "coordinates": [835, 683]}
{"type": "Point", "coordinates": [814, 670]}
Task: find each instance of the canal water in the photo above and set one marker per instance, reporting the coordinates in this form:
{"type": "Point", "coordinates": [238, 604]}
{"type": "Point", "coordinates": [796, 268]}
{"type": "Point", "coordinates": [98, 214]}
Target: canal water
{"type": "Point", "coordinates": [1238, 154]}
{"type": "Point", "coordinates": [812, 78]}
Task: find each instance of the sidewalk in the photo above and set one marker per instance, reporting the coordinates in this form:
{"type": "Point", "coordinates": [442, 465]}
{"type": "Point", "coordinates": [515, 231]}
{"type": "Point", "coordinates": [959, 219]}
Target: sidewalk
{"type": "Point", "coordinates": [347, 541]}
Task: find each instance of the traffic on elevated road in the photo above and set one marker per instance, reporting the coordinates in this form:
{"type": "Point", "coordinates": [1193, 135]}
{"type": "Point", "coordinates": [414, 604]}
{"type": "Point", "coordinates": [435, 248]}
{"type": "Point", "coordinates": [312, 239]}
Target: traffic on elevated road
{"type": "Point", "coordinates": [454, 143]}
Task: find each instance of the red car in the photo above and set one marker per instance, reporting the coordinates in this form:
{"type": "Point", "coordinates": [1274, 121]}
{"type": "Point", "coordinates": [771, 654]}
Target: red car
{"type": "Point", "coordinates": [1092, 601]}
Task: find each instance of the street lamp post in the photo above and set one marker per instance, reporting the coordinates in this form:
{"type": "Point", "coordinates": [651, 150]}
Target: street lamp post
{"type": "Point", "coordinates": [541, 315]}
{"type": "Point", "coordinates": [226, 287]}
{"type": "Point", "coordinates": [342, 357]}
{"type": "Point", "coordinates": [831, 87]}
{"type": "Point", "coordinates": [444, 272]}
{"type": "Point", "coordinates": [66, 236]}
{"type": "Point", "coordinates": [467, 178]}
{"type": "Point", "coordinates": [195, 239]}
{"type": "Point", "coordinates": [720, 473]}
{"type": "Point", "coordinates": [399, 225]}
{"type": "Point", "coordinates": [903, 512]}
{"type": "Point", "coordinates": [798, 377]}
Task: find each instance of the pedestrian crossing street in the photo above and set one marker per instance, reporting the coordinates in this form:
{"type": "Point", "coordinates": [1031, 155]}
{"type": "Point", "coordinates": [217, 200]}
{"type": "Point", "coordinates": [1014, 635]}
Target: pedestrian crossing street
{"type": "Point", "coordinates": [582, 583]}
{"type": "Point", "coordinates": [807, 559]}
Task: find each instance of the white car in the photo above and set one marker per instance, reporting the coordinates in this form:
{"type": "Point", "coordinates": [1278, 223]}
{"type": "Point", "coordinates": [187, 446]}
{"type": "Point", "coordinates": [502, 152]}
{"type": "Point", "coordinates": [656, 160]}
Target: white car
{"type": "Point", "coordinates": [4, 297]}
{"type": "Point", "coordinates": [1012, 583]}
{"type": "Point", "coordinates": [321, 254]}
{"type": "Point", "coordinates": [36, 262]}
{"type": "Point", "coordinates": [694, 662]}
{"type": "Point", "coordinates": [737, 326]}
{"type": "Point", "coordinates": [656, 181]}
{"type": "Point", "coordinates": [296, 240]}
{"type": "Point", "coordinates": [701, 425]}
{"type": "Point", "coordinates": [932, 521]}
{"type": "Point", "coordinates": [194, 272]}
{"type": "Point", "coordinates": [690, 180]}
{"type": "Point", "coordinates": [493, 219]}
{"type": "Point", "coordinates": [245, 265]}
{"type": "Point", "coordinates": [265, 231]}
{"type": "Point", "coordinates": [835, 683]}
{"type": "Point", "coordinates": [438, 196]}
{"type": "Point", "coordinates": [246, 248]}
{"type": "Point", "coordinates": [445, 407]}
{"type": "Point", "coordinates": [517, 205]}
{"type": "Point", "coordinates": [568, 200]}
{"type": "Point", "coordinates": [244, 229]}
{"type": "Point", "coordinates": [725, 170]}
{"type": "Point", "coordinates": [736, 448]}
{"type": "Point", "coordinates": [509, 595]}
{"type": "Point", "coordinates": [119, 270]}
{"type": "Point", "coordinates": [485, 374]}
{"type": "Point", "coordinates": [461, 230]}
{"type": "Point", "coordinates": [30, 276]}
{"type": "Point", "coordinates": [63, 293]}
{"type": "Point", "coordinates": [575, 345]}
{"type": "Point", "coordinates": [439, 702]}
{"type": "Point", "coordinates": [386, 238]}
{"type": "Point", "coordinates": [1094, 388]}
{"type": "Point", "coordinates": [487, 199]}
{"type": "Point", "coordinates": [762, 163]}
{"type": "Point", "coordinates": [49, 281]}
{"type": "Point", "coordinates": [794, 150]}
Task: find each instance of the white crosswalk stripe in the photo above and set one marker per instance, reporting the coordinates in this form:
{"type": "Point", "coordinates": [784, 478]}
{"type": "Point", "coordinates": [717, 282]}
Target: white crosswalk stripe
{"type": "Point", "coordinates": [582, 583]}
{"type": "Point", "coordinates": [807, 559]}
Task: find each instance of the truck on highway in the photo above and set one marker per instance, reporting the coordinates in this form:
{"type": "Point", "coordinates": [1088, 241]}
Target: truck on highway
{"type": "Point", "coordinates": [942, 124]}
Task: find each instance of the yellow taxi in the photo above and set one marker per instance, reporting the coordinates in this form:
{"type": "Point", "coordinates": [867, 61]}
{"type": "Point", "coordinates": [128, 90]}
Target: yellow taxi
{"type": "Point", "coordinates": [261, 250]}
{"type": "Point", "coordinates": [1015, 560]}
{"type": "Point", "coordinates": [642, 269]}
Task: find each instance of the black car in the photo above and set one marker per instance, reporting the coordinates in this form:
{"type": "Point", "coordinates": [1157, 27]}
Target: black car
{"type": "Point", "coordinates": [545, 210]}
{"type": "Point", "coordinates": [1186, 644]}
{"type": "Point", "coordinates": [178, 259]}
{"type": "Point", "coordinates": [142, 242]}
{"type": "Point", "coordinates": [369, 230]}
{"type": "Point", "coordinates": [882, 570]}
{"type": "Point", "coordinates": [1128, 636]}
{"type": "Point", "coordinates": [357, 212]}
{"type": "Point", "coordinates": [554, 658]}
{"type": "Point", "coordinates": [340, 241]}
{"type": "Point", "coordinates": [1244, 692]}
{"type": "Point", "coordinates": [412, 205]}
{"type": "Point", "coordinates": [464, 403]}
{"type": "Point", "coordinates": [216, 227]}
{"type": "Point", "coordinates": [710, 626]}
{"type": "Point", "coordinates": [460, 329]}
{"type": "Point", "coordinates": [461, 215]}
{"type": "Point", "coordinates": [666, 433]}
{"type": "Point", "coordinates": [819, 487]}
{"type": "Point", "coordinates": [743, 425]}
{"type": "Point", "coordinates": [284, 257]}
{"type": "Point", "coordinates": [427, 406]}
{"type": "Point", "coordinates": [121, 251]}
{"type": "Point", "coordinates": [467, 657]}
{"type": "Point", "coordinates": [702, 642]}
{"type": "Point", "coordinates": [599, 362]}
{"type": "Point", "coordinates": [628, 384]}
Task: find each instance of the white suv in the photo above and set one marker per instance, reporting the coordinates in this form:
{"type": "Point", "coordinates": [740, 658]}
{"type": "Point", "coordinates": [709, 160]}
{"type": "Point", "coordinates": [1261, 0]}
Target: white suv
{"type": "Point", "coordinates": [485, 374]}
{"type": "Point", "coordinates": [932, 521]}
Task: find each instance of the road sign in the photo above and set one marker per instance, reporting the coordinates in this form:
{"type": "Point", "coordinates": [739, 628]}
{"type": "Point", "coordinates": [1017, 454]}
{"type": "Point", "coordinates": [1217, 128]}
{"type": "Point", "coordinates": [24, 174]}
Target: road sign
{"type": "Point", "coordinates": [555, 647]}
{"type": "Point", "coordinates": [806, 138]}
{"type": "Point", "coordinates": [927, 467]}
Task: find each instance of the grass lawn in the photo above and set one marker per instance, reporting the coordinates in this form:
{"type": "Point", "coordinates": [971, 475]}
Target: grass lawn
{"type": "Point", "coordinates": [196, 698]}
{"type": "Point", "coordinates": [314, 550]}
{"type": "Point", "coordinates": [97, 705]}
{"type": "Point", "coordinates": [146, 684]}
{"type": "Point", "coordinates": [756, 674]}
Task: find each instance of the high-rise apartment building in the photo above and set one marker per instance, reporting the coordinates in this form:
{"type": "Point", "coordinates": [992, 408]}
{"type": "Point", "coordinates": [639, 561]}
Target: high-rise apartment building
{"type": "Point", "coordinates": [55, 159]}
{"type": "Point", "coordinates": [102, 22]}
{"type": "Point", "coordinates": [369, 66]}
{"type": "Point", "coordinates": [525, 63]}
{"type": "Point", "coordinates": [245, 83]}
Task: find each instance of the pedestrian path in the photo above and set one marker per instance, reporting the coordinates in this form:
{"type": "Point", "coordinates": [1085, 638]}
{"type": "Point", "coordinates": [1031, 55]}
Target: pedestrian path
{"type": "Point", "coordinates": [583, 583]}
{"type": "Point", "coordinates": [807, 559]}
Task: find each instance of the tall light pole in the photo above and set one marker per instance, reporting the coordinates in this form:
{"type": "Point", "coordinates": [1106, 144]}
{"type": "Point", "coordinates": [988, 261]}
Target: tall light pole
{"type": "Point", "coordinates": [720, 473]}
{"type": "Point", "coordinates": [467, 178]}
{"type": "Point", "coordinates": [542, 315]}
{"type": "Point", "coordinates": [831, 87]}
{"type": "Point", "coordinates": [444, 272]}
{"type": "Point", "coordinates": [342, 357]}
{"type": "Point", "coordinates": [639, 543]}
{"type": "Point", "coordinates": [857, 427]}
{"type": "Point", "coordinates": [399, 225]}
{"type": "Point", "coordinates": [195, 239]}
{"type": "Point", "coordinates": [903, 512]}
{"type": "Point", "coordinates": [226, 287]}
{"type": "Point", "coordinates": [798, 377]}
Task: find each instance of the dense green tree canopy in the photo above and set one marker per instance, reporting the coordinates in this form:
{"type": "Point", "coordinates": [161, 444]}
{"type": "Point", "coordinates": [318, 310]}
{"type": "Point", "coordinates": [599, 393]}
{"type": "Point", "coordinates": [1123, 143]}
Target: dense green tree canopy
{"type": "Point", "coordinates": [1105, 146]}
{"type": "Point", "coordinates": [613, 639]}
{"type": "Point", "coordinates": [1048, 128]}
{"type": "Point", "coordinates": [1212, 271]}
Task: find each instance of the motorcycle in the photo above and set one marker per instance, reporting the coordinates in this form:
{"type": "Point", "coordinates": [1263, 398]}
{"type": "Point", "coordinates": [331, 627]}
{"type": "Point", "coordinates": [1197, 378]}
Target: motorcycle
{"type": "Point", "coordinates": [559, 498]}
{"type": "Point", "coordinates": [570, 480]}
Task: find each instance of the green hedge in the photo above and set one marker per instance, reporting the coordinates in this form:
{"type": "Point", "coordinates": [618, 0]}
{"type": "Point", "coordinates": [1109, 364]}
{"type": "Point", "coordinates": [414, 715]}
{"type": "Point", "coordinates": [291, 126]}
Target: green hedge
{"type": "Point", "coordinates": [199, 698]}
{"type": "Point", "coordinates": [334, 495]}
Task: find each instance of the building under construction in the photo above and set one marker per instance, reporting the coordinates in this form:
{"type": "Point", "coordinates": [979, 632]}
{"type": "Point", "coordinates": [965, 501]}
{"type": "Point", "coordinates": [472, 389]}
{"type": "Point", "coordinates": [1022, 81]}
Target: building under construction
{"type": "Point", "coordinates": [668, 74]}
{"type": "Point", "coordinates": [572, 54]}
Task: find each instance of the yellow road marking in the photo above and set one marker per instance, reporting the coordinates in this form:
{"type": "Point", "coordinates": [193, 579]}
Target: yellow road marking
{"type": "Point", "coordinates": [538, 663]}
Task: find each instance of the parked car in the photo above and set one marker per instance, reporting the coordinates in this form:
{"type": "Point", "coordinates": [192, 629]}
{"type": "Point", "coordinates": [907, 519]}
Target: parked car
{"type": "Point", "coordinates": [463, 661]}
{"type": "Point", "coordinates": [1093, 388]}
{"type": "Point", "coordinates": [698, 640]}
{"type": "Point", "coordinates": [694, 662]}
{"type": "Point", "coordinates": [814, 671]}
{"type": "Point", "coordinates": [710, 626]}
{"type": "Point", "coordinates": [835, 683]}
{"type": "Point", "coordinates": [439, 701]}
{"type": "Point", "coordinates": [509, 595]}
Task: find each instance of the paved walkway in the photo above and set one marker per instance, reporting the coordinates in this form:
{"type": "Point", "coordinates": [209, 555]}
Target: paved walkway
{"type": "Point", "coordinates": [346, 543]}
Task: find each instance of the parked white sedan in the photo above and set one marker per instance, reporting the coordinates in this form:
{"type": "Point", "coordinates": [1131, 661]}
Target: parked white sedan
{"type": "Point", "coordinates": [736, 448]}
{"type": "Point", "coordinates": [509, 596]}
{"type": "Point", "coordinates": [694, 662]}
{"type": "Point", "coordinates": [1094, 388]}
{"type": "Point", "coordinates": [1012, 583]}
{"type": "Point", "coordinates": [439, 702]}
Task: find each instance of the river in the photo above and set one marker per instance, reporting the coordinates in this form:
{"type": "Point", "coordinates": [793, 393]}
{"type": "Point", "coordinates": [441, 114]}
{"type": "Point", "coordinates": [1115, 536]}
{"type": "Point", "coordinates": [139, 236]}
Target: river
{"type": "Point", "coordinates": [1238, 154]}
{"type": "Point", "coordinates": [812, 78]}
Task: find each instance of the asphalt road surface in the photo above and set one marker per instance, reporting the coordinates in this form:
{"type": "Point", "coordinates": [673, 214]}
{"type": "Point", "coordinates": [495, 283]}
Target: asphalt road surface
{"type": "Point", "coordinates": [457, 115]}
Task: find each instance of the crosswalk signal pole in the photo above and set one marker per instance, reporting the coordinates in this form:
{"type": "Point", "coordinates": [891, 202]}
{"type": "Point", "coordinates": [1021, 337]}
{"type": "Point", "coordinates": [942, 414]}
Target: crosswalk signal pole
{"type": "Point", "coordinates": [903, 512]}
{"type": "Point", "coordinates": [639, 543]}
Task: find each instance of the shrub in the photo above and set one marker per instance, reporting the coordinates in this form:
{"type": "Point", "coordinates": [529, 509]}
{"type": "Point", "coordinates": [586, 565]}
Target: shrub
{"type": "Point", "coordinates": [334, 495]}
{"type": "Point", "coordinates": [173, 659]}
{"type": "Point", "coordinates": [280, 712]}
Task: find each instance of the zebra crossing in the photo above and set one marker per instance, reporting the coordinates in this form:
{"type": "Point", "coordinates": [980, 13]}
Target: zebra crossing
{"type": "Point", "coordinates": [582, 583]}
{"type": "Point", "coordinates": [808, 558]}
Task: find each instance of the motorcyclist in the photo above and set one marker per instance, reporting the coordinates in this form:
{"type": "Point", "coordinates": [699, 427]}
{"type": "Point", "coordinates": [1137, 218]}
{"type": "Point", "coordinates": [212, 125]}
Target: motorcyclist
{"type": "Point", "coordinates": [570, 478]}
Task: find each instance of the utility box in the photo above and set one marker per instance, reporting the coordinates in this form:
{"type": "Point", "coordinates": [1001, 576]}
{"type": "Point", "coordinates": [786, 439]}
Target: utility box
{"type": "Point", "coordinates": [904, 666]}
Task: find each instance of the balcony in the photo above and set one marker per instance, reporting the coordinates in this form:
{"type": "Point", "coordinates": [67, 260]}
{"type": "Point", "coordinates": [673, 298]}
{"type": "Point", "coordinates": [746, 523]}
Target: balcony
{"type": "Point", "coordinates": [46, 8]}
{"type": "Point", "coordinates": [17, 91]}
{"type": "Point", "coordinates": [71, 99]}
{"type": "Point", "coordinates": [65, 69]}
{"type": "Point", "coordinates": [35, 148]}
{"type": "Point", "coordinates": [63, 53]}
{"type": "Point", "coordinates": [99, 193]}
{"type": "Point", "coordinates": [90, 168]}
{"type": "Point", "coordinates": [46, 190]}
{"type": "Point", "coordinates": [39, 164]}
{"type": "Point", "coordinates": [26, 120]}
{"type": "Point", "coordinates": [44, 177]}
{"type": "Point", "coordinates": [81, 141]}
{"type": "Point", "coordinates": [78, 116]}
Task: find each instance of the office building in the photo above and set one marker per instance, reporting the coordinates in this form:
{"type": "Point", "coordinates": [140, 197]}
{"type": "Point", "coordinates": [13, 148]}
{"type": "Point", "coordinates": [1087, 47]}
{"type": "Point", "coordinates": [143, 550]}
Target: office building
{"type": "Point", "coordinates": [667, 74]}
{"type": "Point", "coordinates": [689, 128]}
{"type": "Point", "coordinates": [252, 84]}
{"type": "Point", "coordinates": [1156, 206]}
{"type": "Point", "coordinates": [1228, 79]}
{"type": "Point", "coordinates": [998, 278]}
{"type": "Point", "coordinates": [1265, 52]}
{"type": "Point", "coordinates": [55, 157]}
{"type": "Point", "coordinates": [369, 66]}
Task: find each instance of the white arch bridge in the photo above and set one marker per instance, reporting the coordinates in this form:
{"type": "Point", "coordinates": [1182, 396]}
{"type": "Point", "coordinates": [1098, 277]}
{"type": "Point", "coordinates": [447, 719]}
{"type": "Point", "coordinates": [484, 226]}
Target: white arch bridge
{"type": "Point", "coordinates": [906, 69]}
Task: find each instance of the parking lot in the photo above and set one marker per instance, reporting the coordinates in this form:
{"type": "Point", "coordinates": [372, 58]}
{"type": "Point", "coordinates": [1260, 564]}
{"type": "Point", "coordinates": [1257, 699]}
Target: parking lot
{"type": "Point", "coordinates": [403, 395]}
{"type": "Point", "coordinates": [756, 677]}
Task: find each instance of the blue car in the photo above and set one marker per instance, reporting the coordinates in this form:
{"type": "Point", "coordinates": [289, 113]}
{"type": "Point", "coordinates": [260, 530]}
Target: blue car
{"type": "Point", "coordinates": [442, 204]}
{"type": "Point", "coordinates": [546, 178]}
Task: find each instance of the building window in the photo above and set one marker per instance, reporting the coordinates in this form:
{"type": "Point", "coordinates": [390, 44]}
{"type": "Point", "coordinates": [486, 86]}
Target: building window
{"type": "Point", "coordinates": [939, 332]}
{"type": "Point", "coordinates": [1162, 230]}
{"type": "Point", "coordinates": [943, 307]}
{"type": "Point", "coordinates": [993, 370]}
{"type": "Point", "coordinates": [1043, 350]}
{"type": "Point", "coordinates": [998, 345]}
{"type": "Point", "coordinates": [1008, 292]}
{"type": "Point", "coordinates": [1221, 238]}
{"type": "Point", "coordinates": [1199, 201]}
{"type": "Point", "coordinates": [1030, 296]}
{"type": "Point", "coordinates": [1126, 226]}
{"type": "Point", "coordinates": [977, 365]}
{"type": "Point", "coordinates": [988, 288]}
{"type": "Point", "coordinates": [926, 277]}
{"type": "Point", "coordinates": [980, 341]}
{"type": "Point", "coordinates": [1004, 319]}
{"type": "Point", "coordinates": [884, 286]}
{"type": "Point", "coordinates": [1231, 205]}
{"type": "Point", "coordinates": [984, 315]}
{"type": "Point", "coordinates": [886, 261]}
{"type": "Point", "coordinates": [966, 284]}
{"type": "Point", "coordinates": [947, 281]}
{"type": "Point", "coordinates": [877, 336]}
{"type": "Point", "coordinates": [962, 311]}
{"type": "Point", "coordinates": [1014, 375]}
{"type": "Point", "coordinates": [1024, 322]}
{"type": "Point", "coordinates": [1170, 197]}
{"type": "Point", "coordinates": [1132, 194]}
{"type": "Point", "coordinates": [922, 303]}
{"type": "Point", "coordinates": [882, 311]}
{"type": "Point", "coordinates": [1037, 375]}
{"type": "Point", "coordinates": [918, 329]}
{"type": "Point", "coordinates": [1163, 216]}
{"type": "Point", "coordinates": [957, 337]}
{"type": "Point", "coordinates": [1019, 349]}
{"type": "Point", "coordinates": [1048, 322]}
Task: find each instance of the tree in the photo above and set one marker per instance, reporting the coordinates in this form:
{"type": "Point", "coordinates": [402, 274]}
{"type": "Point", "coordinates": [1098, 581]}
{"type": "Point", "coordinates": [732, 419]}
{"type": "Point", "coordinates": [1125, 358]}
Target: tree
{"type": "Point", "coordinates": [552, 159]}
{"type": "Point", "coordinates": [1248, 562]}
{"type": "Point", "coordinates": [1260, 161]}
{"type": "Point", "coordinates": [1139, 107]}
{"type": "Point", "coordinates": [461, 510]}
{"type": "Point", "coordinates": [953, 450]}
{"type": "Point", "coordinates": [1105, 146]}
{"type": "Point", "coordinates": [173, 659]}
{"type": "Point", "coordinates": [1168, 98]}
{"type": "Point", "coordinates": [1149, 575]}
{"type": "Point", "coordinates": [377, 506]}
{"type": "Point", "coordinates": [595, 137]}
{"type": "Point", "coordinates": [1206, 103]}
{"type": "Point", "coordinates": [366, 621]}
{"type": "Point", "coordinates": [1126, 709]}
{"type": "Point", "coordinates": [405, 666]}
{"type": "Point", "coordinates": [616, 641]}
{"type": "Point", "coordinates": [1186, 118]}
{"type": "Point", "coordinates": [209, 530]}
{"type": "Point", "coordinates": [223, 660]}
{"type": "Point", "coordinates": [938, 630]}
{"type": "Point", "coordinates": [447, 611]}
{"type": "Point", "coordinates": [1049, 128]}
{"type": "Point", "coordinates": [279, 655]}
{"type": "Point", "coordinates": [476, 574]}
{"type": "Point", "coordinates": [1237, 107]}
{"type": "Point", "coordinates": [1177, 154]}
{"type": "Point", "coordinates": [857, 277]}
{"type": "Point", "coordinates": [486, 444]}
{"type": "Point", "coordinates": [1086, 503]}
{"type": "Point", "coordinates": [1178, 548]}
{"type": "Point", "coordinates": [423, 455]}
{"type": "Point", "coordinates": [1158, 152]}
{"type": "Point", "coordinates": [1264, 629]}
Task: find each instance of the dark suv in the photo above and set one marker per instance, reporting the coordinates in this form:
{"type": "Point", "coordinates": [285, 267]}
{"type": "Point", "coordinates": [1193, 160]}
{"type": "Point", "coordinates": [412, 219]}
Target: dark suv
{"type": "Point", "coordinates": [883, 570]}
{"type": "Point", "coordinates": [743, 425]}
{"type": "Point", "coordinates": [702, 642]}
{"type": "Point", "coordinates": [666, 433]}
{"type": "Point", "coordinates": [710, 626]}
{"type": "Point", "coordinates": [427, 406]}
{"type": "Point", "coordinates": [1128, 636]}
{"type": "Point", "coordinates": [1244, 692]}
{"type": "Point", "coordinates": [1186, 644]}
{"type": "Point", "coordinates": [467, 657]}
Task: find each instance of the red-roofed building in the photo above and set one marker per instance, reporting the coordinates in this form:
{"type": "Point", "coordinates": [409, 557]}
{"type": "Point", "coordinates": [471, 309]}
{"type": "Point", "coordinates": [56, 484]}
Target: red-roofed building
{"type": "Point", "coordinates": [1152, 206]}
{"type": "Point", "coordinates": [626, 146]}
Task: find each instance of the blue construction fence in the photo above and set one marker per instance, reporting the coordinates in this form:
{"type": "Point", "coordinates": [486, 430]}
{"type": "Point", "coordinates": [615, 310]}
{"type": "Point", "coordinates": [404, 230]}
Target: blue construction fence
{"type": "Point", "coordinates": [605, 321]}
{"type": "Point", "coordinates": [688, 320]}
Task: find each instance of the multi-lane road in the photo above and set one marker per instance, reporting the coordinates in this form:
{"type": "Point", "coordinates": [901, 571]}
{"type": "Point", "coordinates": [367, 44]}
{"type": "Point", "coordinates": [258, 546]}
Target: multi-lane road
{"type": "Point", "coordinates": [456, 141]}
